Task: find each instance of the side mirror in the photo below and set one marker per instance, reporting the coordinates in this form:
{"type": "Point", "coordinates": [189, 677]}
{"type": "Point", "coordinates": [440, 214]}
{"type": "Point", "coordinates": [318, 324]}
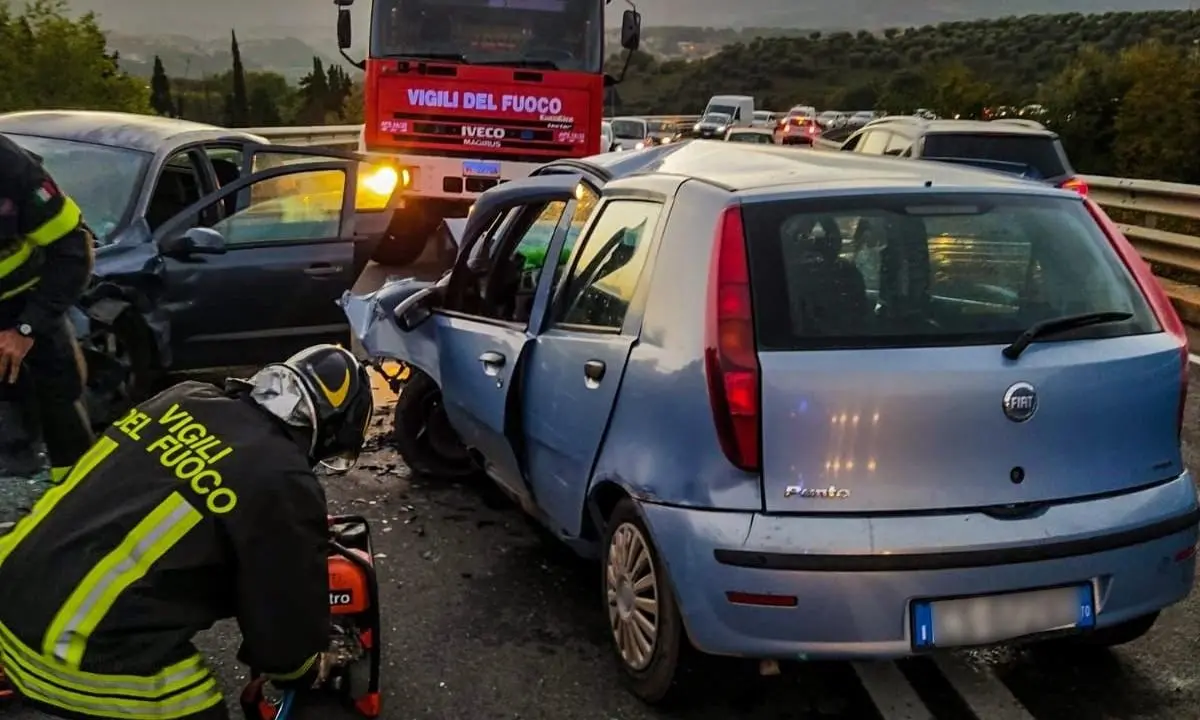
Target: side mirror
{"type": "Point", "coordinates": [196, 241]}
{"type": "Point", "coordinates": [344, 34]}
{"type": "Point", "coordinates": [418, 307]}
{"type": "Point", "coordinates": [631, 29]}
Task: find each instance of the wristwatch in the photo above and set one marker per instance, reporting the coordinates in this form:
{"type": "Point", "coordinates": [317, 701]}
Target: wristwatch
{"type": "Point", "coordinates": [25, 329]}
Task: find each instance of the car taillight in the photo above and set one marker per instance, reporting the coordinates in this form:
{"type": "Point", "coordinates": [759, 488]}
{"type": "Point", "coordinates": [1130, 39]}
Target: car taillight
{"type": "Point", "coordinates": [1075, 184]}
{"type": "Point", "coordinates": [731, 354]}
{"type": "Point", "coordinates": [1153, 291]}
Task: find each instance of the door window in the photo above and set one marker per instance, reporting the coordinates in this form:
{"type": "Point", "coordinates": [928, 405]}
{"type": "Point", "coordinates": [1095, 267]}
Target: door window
{"type": "Point", "coordinates": [501, 276]}
{"type": "Point", "coordinates": [604, 277]}
{"type": "Point", "coordinates": [178, 186]}
{"type": "Point", "coordinates": [874, 143]}
{"type": "Point", "coordinates": [303, 205]}
{"type": "Point", "coordinates": [897, 146]}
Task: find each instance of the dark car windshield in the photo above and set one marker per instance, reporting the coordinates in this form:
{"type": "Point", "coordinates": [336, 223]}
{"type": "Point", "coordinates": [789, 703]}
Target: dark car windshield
{"type": "Point", "coordinates": [102, 180]}
{"type": "Point", "coordinates": [1042, 153]}
{"type": "Point", "coordinates": [562, 34]}
{"type": "Point", "coordinates": [923, 270]}
{"type": "Point", "coordinates": [713, 118]}
{"type": "Point", "coordinates": [727, 110]}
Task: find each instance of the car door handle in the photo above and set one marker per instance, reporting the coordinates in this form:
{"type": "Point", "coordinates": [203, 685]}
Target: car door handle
{"type": "Point", "coordinates": [322, 269]}
{"type": "Point", "coordinates": [492, 362]}
{"type": "Point", "coordinates": [593, 373]}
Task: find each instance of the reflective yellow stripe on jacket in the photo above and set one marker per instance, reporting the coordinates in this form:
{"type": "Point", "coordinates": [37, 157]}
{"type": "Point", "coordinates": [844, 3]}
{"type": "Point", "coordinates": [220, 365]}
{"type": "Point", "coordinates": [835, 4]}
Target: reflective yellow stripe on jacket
{"type": "Point", "coordinates": [56, 227]}
{"type": "Point", "coordinates": [66, 638]}
{"type": "Point", "coordinates": [109, 702]}
{"type": "Point", "coordinates": [98, 452]}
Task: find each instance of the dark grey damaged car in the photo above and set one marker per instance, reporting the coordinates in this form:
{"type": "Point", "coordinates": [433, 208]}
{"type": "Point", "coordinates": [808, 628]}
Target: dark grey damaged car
{"type": "Point", "coordinates": [215, 249]}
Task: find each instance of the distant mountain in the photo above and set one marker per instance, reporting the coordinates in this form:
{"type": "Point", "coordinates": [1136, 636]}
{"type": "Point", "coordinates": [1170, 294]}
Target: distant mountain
{"type": "Point", "coordinates": [313, 20]}
{"type": "Point", "coordinates": [283, 35]}
{"type": "Point", "coordinates": [185, 57]}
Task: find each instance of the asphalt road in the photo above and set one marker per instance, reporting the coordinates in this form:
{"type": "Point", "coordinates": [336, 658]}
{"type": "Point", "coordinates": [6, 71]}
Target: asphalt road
{"type": "Point", "coordinates": [486, 619]}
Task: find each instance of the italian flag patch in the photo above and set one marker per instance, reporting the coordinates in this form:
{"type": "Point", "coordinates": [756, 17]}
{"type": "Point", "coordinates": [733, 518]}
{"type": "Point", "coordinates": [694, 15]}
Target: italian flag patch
{"type": "Point", "coordinates": [46, 192]}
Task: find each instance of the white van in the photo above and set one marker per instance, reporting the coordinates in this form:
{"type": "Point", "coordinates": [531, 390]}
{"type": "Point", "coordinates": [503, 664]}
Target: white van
{"type": "Point", "coordinates": [739, 108]}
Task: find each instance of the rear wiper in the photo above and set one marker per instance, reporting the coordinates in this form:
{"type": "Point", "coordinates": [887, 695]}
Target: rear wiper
{"type": "Point", "coordinates": [1054, 326]}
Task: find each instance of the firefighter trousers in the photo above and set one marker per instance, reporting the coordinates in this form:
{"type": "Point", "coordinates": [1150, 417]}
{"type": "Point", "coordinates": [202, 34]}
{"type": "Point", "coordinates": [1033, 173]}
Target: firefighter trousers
{"type": "Point", "coordinates": [49, 392]}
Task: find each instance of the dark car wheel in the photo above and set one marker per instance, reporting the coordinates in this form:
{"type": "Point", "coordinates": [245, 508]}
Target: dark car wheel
{"type": "Point", "coordinates": [423, 435]}
{"type": "Point", "coordinates": [648, 639]}
{"type": "Point", "coordinates": [122, 369]}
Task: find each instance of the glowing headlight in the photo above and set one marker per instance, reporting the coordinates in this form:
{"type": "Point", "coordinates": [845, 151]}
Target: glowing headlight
{"type": "Point", "coordinates": [696, 127]}
{"type": "Point", "coordinates": [382, 180]}
{"type": "Point", "coordinates": [640, 146]}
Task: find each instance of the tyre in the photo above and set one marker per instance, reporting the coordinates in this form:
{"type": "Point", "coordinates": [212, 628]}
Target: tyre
{"type": "Point", "coordinates": [423, 435]}
{"type": "Point", "coordinates": [648, 638]}
{"type": "Point", "coordinates": [122, 368]}
{"type": "Point", "coordinates": [1115, 635]}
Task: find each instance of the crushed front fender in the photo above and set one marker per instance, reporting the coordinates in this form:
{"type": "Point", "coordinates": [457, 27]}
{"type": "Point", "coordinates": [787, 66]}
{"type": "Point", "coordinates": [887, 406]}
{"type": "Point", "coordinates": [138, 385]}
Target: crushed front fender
{"type": "Point", "coordinates": [373, 323]}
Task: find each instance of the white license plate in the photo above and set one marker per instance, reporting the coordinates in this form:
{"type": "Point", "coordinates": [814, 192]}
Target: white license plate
{"type": "Point", "coordinates": [480, 168]}
{"type": "Point", "coordinates": [994, 618]}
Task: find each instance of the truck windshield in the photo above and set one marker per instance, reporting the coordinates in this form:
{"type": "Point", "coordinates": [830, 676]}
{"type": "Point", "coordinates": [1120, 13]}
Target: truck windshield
{"type": "Point", "coordinates": [550, 34]}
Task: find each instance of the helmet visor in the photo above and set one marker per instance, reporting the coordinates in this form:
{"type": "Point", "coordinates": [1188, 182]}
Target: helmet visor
{"type": "Point", "coordinates": [345, 460]}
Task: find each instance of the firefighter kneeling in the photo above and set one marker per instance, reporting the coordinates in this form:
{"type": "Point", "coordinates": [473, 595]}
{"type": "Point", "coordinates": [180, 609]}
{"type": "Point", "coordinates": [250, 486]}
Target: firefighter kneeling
{"type": "Point", "coordinates": [200, 504]}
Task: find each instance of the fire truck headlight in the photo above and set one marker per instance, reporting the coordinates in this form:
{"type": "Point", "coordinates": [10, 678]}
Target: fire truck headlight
{"type": "Point", "coordinates": [383, 180]}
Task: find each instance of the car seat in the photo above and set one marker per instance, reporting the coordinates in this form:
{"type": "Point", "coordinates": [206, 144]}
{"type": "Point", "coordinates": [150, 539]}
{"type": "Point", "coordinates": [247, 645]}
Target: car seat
{"type": "Point", "coordinates": [828, 294]}
{"type": "Point", "coordinates": [227, 173]}
{"type": "Point", "coordinates": [904, 277]}
{"type": "Point", "coordinates": [176, 190]}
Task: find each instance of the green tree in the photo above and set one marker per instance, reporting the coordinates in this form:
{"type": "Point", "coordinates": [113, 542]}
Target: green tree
{"type": "Point", "coordinates": [237, 104]}
{"type": "Point", "coordinates": [160, 90]}
{"type": "Point", "coordinates": [1082, 103]}
{"type": "Point", "coordinates": [958, 92]}
{"type": "Point", "coordinates": [1157, 121]}
{"type": "Point", "coordinates": [50, 60]}
{"type": "Point", "coordinates": [314, 95]}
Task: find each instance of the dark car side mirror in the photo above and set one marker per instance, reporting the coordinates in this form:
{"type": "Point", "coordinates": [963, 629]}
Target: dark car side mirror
{"type": "Point", "coordinates": [344, 34]}
{"type": "Point", "coordinates": [631, 29]}
{"type": "Point", "coordinates": [195, 241]}
{"type": "Point", "coordinates": [414, 310]}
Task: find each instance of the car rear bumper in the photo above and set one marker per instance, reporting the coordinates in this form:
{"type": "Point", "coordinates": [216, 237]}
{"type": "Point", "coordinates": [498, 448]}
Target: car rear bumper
{"type": "Point", "coordinates": [854, 578]}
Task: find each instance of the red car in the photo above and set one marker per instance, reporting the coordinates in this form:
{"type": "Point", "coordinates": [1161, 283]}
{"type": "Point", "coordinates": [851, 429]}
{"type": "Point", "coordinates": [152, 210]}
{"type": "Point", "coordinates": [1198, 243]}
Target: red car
{"type": "Point", "coordinates": [799, 130]}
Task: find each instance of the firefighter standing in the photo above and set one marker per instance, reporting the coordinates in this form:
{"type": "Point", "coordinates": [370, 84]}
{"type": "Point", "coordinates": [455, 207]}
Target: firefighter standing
{"type": "Point", "coordinates": [45, 264]}
{"type": "Point", "coordinates": [200, 504]}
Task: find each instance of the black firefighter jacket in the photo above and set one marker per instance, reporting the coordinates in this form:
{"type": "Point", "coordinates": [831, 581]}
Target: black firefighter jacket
{"type": "Point", "coordinates": [194, 507]}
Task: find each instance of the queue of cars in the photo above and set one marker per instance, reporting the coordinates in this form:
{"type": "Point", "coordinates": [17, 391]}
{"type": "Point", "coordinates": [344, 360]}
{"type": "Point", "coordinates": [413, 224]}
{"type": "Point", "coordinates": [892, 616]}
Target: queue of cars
{"type": "Point", "coordinates": [812, 405]}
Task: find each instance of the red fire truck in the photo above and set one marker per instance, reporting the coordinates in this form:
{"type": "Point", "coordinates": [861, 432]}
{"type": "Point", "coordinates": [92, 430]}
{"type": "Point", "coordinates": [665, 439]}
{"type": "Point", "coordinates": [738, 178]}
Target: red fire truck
{"type": "Point", "coordinates": [464, 94]}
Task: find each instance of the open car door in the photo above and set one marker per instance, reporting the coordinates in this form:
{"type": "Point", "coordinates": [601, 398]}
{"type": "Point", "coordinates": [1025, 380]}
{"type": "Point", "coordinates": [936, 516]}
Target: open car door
{"type": "Point", "coordinates": [481, 341]}
{"type": "Point", "coordinates": [252, 272]}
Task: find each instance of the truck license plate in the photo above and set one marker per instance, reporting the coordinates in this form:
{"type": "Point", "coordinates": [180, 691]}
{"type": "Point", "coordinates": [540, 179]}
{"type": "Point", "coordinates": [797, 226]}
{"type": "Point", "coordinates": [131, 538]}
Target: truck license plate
{"type": "Point", "coordinates": [480, 168]}
{"type": "Point", "coordinates": [994, 618]}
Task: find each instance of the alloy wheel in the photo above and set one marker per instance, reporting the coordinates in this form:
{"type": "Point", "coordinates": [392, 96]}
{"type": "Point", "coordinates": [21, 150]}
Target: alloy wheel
{"type": "Point", "coordinates": [631, 589]}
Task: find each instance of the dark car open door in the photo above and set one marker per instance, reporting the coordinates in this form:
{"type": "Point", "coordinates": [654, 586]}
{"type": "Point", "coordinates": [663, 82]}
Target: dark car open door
{"type": "Point", "coordinates": [288, 255]}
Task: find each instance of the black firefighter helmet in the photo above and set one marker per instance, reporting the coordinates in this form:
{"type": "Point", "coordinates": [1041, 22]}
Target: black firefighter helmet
{"type": "Point", "coordinates": [326, 390]}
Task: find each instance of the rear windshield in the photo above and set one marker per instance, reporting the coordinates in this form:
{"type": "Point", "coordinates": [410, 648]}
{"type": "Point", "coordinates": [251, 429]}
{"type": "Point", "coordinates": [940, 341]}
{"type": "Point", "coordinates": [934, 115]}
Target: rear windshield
{"type": "Point", "coordinates": [921, 270]}
{"type": "Point", "coordinates": [1040, 153]}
